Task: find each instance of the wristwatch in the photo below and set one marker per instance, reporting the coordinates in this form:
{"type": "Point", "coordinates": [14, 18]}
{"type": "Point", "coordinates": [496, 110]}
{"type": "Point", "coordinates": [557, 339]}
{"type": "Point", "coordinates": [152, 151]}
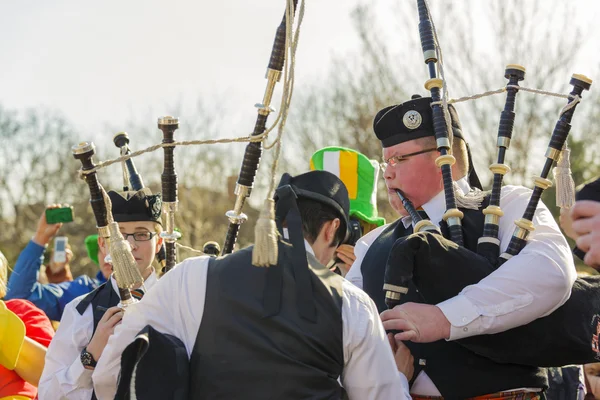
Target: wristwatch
{"type": "Point", "coordinates": [87, 359]}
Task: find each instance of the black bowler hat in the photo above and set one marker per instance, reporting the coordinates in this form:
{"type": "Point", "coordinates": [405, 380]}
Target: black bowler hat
{"type": "Point", "coordinates": [410, 120]}
{"type": "Point", "coordinates": [321, 186]}
{"type": "Point", "coordinates": [136, 206]}
{"type": "Point", "coordinates": [325, 188]}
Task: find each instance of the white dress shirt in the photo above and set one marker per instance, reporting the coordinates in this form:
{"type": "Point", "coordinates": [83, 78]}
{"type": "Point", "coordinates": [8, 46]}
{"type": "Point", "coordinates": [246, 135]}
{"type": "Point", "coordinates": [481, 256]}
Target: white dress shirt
{"type": "Point", "coordinates": [528, 286]}
{"type": "Point", "coordinates": [176, 305]}
{"type": "Point", "coordinates": [64, 377]}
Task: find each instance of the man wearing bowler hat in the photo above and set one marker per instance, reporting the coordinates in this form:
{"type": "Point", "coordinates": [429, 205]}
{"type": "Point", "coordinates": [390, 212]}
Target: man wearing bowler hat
{"type": "Point", "coordinates": [289, 331]}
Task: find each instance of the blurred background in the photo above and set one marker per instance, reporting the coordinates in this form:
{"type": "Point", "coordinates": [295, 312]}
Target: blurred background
{"type": "Point", "coordinates": [78, 71]}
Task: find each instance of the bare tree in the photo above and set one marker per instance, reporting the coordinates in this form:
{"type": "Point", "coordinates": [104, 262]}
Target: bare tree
{"type": "Point", "coordinates": [388, 67]}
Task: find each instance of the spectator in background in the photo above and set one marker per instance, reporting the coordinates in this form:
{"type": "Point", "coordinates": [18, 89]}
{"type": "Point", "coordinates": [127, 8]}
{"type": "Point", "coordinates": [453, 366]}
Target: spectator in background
{"type": "Point", "coordinates": [50, 298]}
{"type": "Point", "coordinates": [57, 272]}
{"type": "Point", "coordinates": [25, 333]}
{"type": "Point", "coordinates": [359, 174]}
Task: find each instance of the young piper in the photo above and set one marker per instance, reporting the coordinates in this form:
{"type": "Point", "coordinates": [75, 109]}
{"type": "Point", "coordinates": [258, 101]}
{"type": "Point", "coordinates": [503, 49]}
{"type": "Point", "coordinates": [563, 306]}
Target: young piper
{"type": "Point", "coordinates": [89, 320]}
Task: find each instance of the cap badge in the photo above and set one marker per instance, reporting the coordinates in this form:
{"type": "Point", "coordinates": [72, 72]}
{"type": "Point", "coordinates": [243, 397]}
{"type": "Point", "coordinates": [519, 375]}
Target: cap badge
{"type": "Point", "coordinates": [412, 119]}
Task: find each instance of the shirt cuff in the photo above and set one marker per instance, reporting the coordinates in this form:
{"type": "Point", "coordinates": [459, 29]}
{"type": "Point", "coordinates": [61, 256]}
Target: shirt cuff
{"type": "Point", "coordinates": [462, 315]}
{"type": "Point", "coordinates": [80, 375]}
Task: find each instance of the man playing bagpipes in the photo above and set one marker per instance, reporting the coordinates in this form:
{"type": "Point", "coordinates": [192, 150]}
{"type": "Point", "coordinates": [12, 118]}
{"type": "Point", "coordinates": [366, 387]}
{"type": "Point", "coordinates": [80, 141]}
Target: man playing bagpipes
{"type": "Point", "coordinates": [25, 333]}
{"type": "Point", "coordinates": [359, 174]}
{"type": "Point", "coordinates": [526, 287]}
{"type": "Point", "coordinates": [89, 320]}
{"type": "Point", "coordinates": [286, 331]}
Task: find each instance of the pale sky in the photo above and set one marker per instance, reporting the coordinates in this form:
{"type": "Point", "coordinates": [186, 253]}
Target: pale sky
{"type": "Point", "coordinates": [107, 60]}
{"type": "Point", "coordinates": [111, 60]}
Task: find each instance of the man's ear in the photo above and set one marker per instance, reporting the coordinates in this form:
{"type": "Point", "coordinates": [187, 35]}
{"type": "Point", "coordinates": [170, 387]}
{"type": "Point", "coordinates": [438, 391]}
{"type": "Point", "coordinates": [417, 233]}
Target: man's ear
{"type": "Point", "coordinates": [331, 229]}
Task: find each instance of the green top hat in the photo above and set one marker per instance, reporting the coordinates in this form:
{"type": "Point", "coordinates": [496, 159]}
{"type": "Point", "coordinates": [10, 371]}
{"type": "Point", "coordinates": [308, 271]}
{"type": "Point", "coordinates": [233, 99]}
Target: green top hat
{"type": "Point", "coordinates": [358, 173]}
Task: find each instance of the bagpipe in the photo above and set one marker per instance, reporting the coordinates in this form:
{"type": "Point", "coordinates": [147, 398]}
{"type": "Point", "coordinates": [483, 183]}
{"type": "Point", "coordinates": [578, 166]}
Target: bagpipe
{"type": "Point", "coordinates": [440, 268]}
{"type": "Point", "coordinates": [125, 268]}
{"type": "Point", "coordinates": [285, 43]}
{"type": "Point", "coordinates": [133, 180]}
{"type": "Point", "coordinates": [253, 153]}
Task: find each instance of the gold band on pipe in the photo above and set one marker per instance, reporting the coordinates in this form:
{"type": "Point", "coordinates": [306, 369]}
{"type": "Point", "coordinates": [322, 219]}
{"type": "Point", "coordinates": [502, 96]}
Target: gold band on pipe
{"type": "Point", "coordinates": [434, 83]}
{"type": "Point", "coordinates": [525, 224]}
{"type": "Point", "coordinates": [542, 182]}
{"type": "Point", "coordinates": [516, 66]}
{"type": "Point", "coordinates": [423, 225]}
{"type": "Point", "coordinates": [492, 219]}
{"type": "Point", "coordinates": [395, 288]}
{"type": "Point", "coordinates": [502, 169]}
{"type": "Point", "coordinates": [521, 233]}
{"type": "Point", "coordinates": [448, 159]}
{"type": "Point", "coordinates": [552, 153]}
{"type": "Point", "coordinates": [493, 210]}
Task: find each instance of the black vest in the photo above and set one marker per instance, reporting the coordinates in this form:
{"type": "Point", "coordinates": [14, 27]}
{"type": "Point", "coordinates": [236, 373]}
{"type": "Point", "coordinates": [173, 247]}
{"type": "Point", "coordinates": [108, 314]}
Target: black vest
{"type": "Point", "coordinates": [242, 354]}
{"type": "Point", "coordinates": [457, 372]}
{"type": "Point", "coordinates": [101, 299]}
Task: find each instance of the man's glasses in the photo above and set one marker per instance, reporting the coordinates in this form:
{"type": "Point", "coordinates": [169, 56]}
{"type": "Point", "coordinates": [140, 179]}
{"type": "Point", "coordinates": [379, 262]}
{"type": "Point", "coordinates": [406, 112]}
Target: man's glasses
{"type": "Point", "coordinates": [395, 160]}
{"type": "Point", "coordinates": [139, 236]}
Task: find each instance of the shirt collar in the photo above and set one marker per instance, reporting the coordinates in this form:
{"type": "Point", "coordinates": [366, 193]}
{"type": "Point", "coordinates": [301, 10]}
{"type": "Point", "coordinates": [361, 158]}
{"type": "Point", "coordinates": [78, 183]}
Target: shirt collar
{"type": "Point", "coordinates": [436, 207]}
{"type": "Point", "coordinates": [307, 245]}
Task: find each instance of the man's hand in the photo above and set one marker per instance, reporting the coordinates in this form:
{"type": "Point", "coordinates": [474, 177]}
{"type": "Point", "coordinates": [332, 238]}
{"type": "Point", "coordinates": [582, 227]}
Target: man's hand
{"type": "Point", "coordinates": [106, 327]}
{"type": "Point", "coordinates": [45, 232]}
{"type": "Point", "coordinates": [402, 356]}
{"type": "Point", "coordinates": [586, 224]}
{"type": "Point", "coordinates": [421, 323]}
{"type": "Point", "coordinates": [345, 253]}
{"type": "Point", "coordinates": [566, 223]}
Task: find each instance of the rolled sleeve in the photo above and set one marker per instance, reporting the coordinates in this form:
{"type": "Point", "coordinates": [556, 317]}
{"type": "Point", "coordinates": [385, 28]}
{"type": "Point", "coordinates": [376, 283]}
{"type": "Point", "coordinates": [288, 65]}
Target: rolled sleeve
{"type": "Point", "coordinates": [528, 286]}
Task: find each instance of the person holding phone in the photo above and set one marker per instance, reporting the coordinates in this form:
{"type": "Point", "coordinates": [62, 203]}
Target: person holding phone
{"type": "Point", "coordinates": [53, 297]}
{"type": "Point", "coordinates": [90, 319]}
{"type": "Point", "coordinates": [58, 269]}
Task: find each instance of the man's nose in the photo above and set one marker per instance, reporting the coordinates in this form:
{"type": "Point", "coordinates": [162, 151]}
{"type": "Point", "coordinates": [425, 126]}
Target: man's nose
{"type": "Point", "coordinates": [132, 242]}
{"type": "Point", "coordinates": [389, 173]}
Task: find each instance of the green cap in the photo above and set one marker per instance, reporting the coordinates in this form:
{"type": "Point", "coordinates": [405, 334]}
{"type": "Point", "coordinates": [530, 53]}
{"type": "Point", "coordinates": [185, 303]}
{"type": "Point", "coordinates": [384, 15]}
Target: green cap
{"type": "Point", "coordinates": [91, 244]}
{"type": "Point", "coordinates": [358, 173]}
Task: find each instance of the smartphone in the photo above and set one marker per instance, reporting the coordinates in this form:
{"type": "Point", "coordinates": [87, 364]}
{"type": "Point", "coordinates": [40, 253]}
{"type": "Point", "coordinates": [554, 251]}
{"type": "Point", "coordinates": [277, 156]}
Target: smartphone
{"type": "Point", "coordinates": [58, 215]}
{"type": "Point", "coordinates": [60, 249]}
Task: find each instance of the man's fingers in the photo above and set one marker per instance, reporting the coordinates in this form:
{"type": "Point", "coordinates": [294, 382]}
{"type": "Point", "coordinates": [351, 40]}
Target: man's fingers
{"type": "Point", "coordinates": [345, 259]}
{"type": "Point", "coordinates": [585, 208]}
{"type": "Point", "coordinates": [584, 242]}
{"type": "Point", "coordinates": [397, 325]}
{"type": "Point", "coordinates": [583, 226]}
{"type": "Point", "coordinates": [116, 318]}
{"type": "Point", "coordinates": [394, 313]}
{"type": "Point", "coordinates": [109, 313]}
{"type": "Point", "coordinates": [407, 335]}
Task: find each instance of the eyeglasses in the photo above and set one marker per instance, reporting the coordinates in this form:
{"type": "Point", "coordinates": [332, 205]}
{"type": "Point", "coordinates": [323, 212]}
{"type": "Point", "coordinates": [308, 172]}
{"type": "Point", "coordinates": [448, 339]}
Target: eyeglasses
{"type": "Point", "coordinates": [395, 160]}
{"type": "Point", "coordinates": [139, 236]}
